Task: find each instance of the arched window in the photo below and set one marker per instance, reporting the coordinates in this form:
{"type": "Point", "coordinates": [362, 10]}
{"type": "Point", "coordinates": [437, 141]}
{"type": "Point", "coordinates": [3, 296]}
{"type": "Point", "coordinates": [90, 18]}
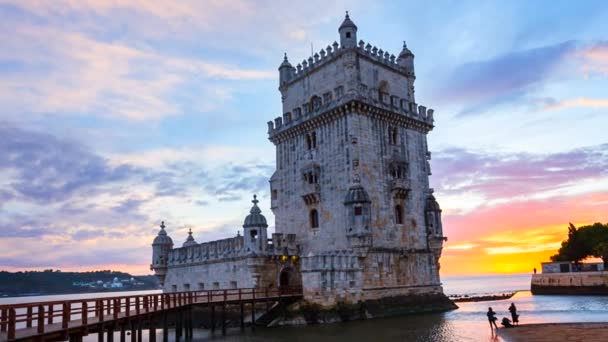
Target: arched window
{"type": "Point", "coordinates": [311, 140]}
{"type": "Point", "coordinates": [398, 214]}
{"type": "Point", "coordinates": [393, 135]}
{"type": "Point", "coordinates": [314, 219]}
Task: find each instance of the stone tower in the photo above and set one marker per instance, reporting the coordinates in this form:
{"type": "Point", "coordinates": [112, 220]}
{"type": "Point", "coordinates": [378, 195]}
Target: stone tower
{"type": "Point", "coordinates": [161, 246]}
{"type": "Point", "coordinates": [352, 174]}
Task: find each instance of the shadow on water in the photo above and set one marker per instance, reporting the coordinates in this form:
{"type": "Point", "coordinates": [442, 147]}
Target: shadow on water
{"type": "Point", "coordinates": [429, 327]}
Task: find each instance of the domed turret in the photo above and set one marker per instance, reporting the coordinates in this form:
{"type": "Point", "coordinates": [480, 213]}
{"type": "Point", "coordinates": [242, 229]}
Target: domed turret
{"type": "Point", "coordinates": [190, 240]}
{"type": "Point", "coordinates": [286, 71]}
{"type": "Point", "coordinates": [348, 33]}
{"type": "Point", "coordinates": [356, 194]}
{"type": "Point", "coordinates": [255, 217]}
{"type": "Point", "coordinates": [254, 229]}
{"type": "Point", "coordinates": [406, 59]}
{"type": "Point", "coordinates": [431, 204]}
{"type": "Point", "coordinates": [161, 246]}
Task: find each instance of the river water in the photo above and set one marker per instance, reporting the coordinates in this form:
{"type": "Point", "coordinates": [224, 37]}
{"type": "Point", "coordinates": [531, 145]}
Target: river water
{"type": "Point", "coordinates": [468, 323]}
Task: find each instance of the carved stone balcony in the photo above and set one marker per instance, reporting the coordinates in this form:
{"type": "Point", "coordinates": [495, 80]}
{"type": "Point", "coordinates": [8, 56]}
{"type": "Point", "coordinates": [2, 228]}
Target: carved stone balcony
{"type": "Point", "coordinates": [400, 187]}
{"type": "Point", "coordinates": [311, 193]}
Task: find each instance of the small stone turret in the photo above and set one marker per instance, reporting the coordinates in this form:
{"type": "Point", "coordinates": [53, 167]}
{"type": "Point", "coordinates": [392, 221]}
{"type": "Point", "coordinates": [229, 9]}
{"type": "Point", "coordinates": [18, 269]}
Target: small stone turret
{"type": "Point", "coordinates": [433, 216]}
{"type": "Point", "coordinates": [348, 33]}
{"type": "Point", "coordinates": [286, 72]}
{"type": "Point", "coordinates": [190, 240]}
{"type": "Point", "coordinates": [406, 59]}
{"type": "Point", "coordinates": [254, 229]}
{"type": "Point", "coordinates": [161, 246]}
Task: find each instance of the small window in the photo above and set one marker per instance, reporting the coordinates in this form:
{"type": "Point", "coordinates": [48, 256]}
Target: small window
{"type": "Point", "coordinates": [314, 219]}
{"type": "Point", "coordinates": [186, 287]}
{"type": "Point", "coordinates": [174, 288]}
{"type": "Point", "coordinates": [274, 194]}
{"type": "Point", "coordinates": [358, 211]}
{"type": "Point", "coordinates": [233, 284]}
{"type": "Point", "coordinates": [216, 285]}
{"type": "Point", "coordinates": [398, 214]}
{"type": "Point", "coordinates": [393, 135]}
{"type": "Point", "coordinates": [254, 235]}
{"type": "Point", "coordinates": [201, 286]}
{"type": "Point", "coordinates": [311, 140]}
{"type": "Point", "coordinates": [347, 34]}
{"type": "Point", "coordinates": [327, 98]}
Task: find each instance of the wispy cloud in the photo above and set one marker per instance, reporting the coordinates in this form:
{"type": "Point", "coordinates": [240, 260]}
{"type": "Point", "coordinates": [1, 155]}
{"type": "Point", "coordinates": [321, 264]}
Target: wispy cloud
{"type": "Point", "coordinates": [577, 102]}
{"type": "Point", "coordinates": [70, 73]}
{"type": "Point", "coordinates": [509, 79]}
{"type": "Point", "coordinates": [499, 177]}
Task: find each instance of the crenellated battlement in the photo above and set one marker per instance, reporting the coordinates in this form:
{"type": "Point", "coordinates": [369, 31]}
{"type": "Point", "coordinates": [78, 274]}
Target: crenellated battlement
{"type": "Point", "coordinates": [230, 248]}
{"type": "Point", "coordinates": [411, 113]}
{"type": "Point", "coordinates": [334, 51]}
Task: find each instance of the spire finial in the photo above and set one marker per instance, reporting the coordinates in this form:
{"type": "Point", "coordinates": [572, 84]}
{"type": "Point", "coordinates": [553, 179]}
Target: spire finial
{"type": "Point", "coordinates": [347, 15]}
{"type": "Point", "coordinates": [404, 46]}
{"type": "Point", "coordinates": [285, 57]}
{"type": "Point", "coordinates": [190, 231]}
{"type": "Point", "coordinates": [162, 224]}
{"type": "Point", "coordinates": [255, 200]}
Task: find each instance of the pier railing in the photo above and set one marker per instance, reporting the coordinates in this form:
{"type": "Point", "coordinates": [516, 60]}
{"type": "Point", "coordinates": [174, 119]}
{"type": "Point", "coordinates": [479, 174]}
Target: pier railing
{"type": "Point", "coordinates": [36, 319]}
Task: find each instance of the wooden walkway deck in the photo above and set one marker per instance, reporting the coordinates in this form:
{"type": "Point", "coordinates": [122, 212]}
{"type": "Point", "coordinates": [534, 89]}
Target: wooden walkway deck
{"type": "Point", "coordinates": [70, 320]}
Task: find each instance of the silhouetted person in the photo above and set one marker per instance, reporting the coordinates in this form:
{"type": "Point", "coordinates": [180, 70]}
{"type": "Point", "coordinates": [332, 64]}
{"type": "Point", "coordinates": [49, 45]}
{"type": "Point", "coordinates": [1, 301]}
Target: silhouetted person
{"type": "Point", "coordinates": [534, 270]}
{"type": "Point", "coordinates": [514, 315]}
{"type": "Point", "coordinates": [506, 323]}
{"type": "Point", "coordinates": [492, 318]}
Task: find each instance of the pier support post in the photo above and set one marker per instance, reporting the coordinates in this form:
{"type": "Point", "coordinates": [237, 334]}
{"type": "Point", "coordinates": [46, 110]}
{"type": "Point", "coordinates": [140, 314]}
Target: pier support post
{"type": "Point", "coordinates": [133, 332]}
{"type": "Point", "coordinates": [242, 316]}
{"type": "Point", "coordinates": [110, 337]}
{"type": "Point", "coordinates": [100, 333]}
{"type": "Point", "coordinates": [190, 333]}
{"type": "Point", "coordinates": [140, 336]}
{"type": "Point", "coordinates": [122, 332]}
{"type": "Point", "coordinates": [224, 319]}
{"type": "Point", "coordinates": [165, 328]}
{"type": "Point", "coordinates": [253, 315]}
{"type": "Point", "coordinates": [212, 318]}
{"type": "Point", "coordinates": [151, 329]}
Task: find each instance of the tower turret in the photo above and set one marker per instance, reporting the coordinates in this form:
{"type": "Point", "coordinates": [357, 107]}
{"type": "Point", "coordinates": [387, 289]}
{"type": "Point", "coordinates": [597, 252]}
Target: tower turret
{"type": "Point", "coordinates": [286, 71]}
{"type": "Point", "coordinates": [406, 59]}
{"type": "Point", "coordinates": [254, 229]}
{"type": "Point", "coordinates": [190, 240]}
{"type": "Point", "coordinates": [348, 33]}
{"type": "Point", "coordinates": [433, 217]}
{"type": "Point", "coordinates": [161, 246]}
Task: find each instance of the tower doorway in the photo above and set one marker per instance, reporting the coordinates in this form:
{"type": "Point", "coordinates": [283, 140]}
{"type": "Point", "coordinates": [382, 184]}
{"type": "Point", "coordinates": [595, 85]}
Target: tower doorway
{"type": "Point", "coordinates": [285, 278]}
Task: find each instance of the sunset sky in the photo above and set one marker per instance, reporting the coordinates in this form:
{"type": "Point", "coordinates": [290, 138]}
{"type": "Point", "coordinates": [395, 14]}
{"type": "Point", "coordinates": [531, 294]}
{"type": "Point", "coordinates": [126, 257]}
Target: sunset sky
{"type": "Point", "coordinates": [116, 115]}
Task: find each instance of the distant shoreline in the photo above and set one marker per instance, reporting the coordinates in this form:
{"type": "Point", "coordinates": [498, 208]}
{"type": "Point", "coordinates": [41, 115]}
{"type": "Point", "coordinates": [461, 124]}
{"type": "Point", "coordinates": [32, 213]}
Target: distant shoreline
{"type": "Point", "coordinates": [549, 332]}
{"type": "Point", "coordinates": [97, 290]}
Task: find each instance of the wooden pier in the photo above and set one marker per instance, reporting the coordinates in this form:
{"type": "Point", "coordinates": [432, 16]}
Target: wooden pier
{"type": "Point", "coordinates": [73, 319]}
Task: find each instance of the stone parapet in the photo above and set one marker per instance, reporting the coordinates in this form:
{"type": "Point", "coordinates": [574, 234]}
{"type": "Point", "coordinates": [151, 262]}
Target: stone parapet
{"type": "Point", "coordinates": [570, 283]}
